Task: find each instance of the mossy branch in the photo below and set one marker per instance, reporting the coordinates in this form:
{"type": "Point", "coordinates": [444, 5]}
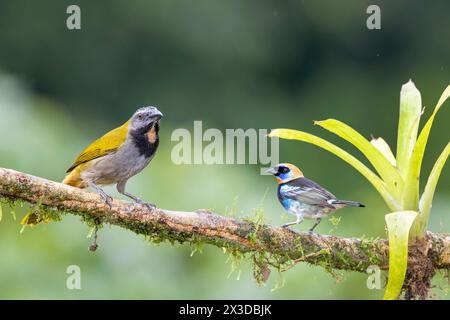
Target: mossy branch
{"type": "Point", "coordinates": [269, 245]}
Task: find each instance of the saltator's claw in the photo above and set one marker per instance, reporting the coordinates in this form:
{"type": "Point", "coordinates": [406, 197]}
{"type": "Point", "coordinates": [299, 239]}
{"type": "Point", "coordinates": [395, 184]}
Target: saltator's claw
{"type": "Point", "coordinates": [150, 206]}
{"type": "Point", "coordinates": [130, 209]}
{"type": "Point", "coordinates": [107, 200]}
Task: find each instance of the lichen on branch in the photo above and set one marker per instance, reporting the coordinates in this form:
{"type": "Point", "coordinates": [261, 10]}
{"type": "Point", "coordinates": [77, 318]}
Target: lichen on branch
{"type": "Point", "coordinates": [269, 246]}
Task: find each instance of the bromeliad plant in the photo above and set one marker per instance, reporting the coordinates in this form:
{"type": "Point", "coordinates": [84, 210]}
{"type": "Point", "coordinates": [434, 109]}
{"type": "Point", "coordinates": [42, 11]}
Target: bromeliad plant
{"type": "Point", "coordinates": [397, 180]}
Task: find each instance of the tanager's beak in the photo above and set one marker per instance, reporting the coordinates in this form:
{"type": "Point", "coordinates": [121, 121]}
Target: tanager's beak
{"type": "Point", "coordinates": [271, 171]}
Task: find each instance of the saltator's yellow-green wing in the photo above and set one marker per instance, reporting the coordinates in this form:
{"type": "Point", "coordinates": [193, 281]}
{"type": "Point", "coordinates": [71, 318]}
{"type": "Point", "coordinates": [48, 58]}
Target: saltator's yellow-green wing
{"type": "Point", "coordinates": [103, 146]}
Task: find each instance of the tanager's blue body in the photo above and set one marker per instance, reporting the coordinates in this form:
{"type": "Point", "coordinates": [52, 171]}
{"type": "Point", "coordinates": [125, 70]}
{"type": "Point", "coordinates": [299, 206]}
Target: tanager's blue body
{"type": "Point", "coordinates": [303, 197]}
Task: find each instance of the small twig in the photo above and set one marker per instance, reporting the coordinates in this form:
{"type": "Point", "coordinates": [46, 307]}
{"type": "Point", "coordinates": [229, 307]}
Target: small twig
{"type": "Point", "coordinates": [302, 259]}
{"type": "Point", "coordinates": [94, 245]}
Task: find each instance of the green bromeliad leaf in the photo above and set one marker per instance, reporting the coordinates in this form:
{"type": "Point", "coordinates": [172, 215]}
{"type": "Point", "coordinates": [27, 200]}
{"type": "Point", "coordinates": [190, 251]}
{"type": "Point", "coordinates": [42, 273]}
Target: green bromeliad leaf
{"type": "Point", "coordinates": [398, 224]}
{"type": "Point", "coordinates": [411, 193]}
{"type": "Point", "coordinates": [379, 184]}
{"type": "Point", "coordinates": [427, 196]}
{"type": "Point", "coordinates": [408, 123]}
{"type": "Point", "coordinates": [385, 169]}
{"type": "Point", "coordinates": [384, 148]}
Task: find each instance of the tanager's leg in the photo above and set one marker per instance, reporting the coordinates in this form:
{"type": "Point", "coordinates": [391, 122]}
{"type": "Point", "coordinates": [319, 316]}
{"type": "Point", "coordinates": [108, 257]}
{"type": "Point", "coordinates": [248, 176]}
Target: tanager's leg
{"type": "Point", "coordinates": [315, 225]}
{"type": "Point", "coordinates": [298, 221]}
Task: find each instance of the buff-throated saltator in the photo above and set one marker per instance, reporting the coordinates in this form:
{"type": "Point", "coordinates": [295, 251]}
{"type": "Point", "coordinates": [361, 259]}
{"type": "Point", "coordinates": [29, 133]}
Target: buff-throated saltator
{"type": "Point", "coordinates": [115, 157]}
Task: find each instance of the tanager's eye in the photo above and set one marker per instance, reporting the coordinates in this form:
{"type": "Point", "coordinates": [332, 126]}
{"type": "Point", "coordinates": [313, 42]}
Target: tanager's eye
{"type": "Point", "coordinates": [283, 170]}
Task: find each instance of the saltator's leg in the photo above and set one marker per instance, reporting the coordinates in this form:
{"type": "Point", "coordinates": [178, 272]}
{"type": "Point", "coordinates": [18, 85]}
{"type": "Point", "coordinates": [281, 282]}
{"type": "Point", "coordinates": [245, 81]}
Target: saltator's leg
{"type": "Point", "coordinates": [121, 188]}
{"type": "Point", "coordinates": [315, 225]}
{"type": "Point", "coordinates": [298, 221]}
{"type": "Point", "coordinates": [106, 198]}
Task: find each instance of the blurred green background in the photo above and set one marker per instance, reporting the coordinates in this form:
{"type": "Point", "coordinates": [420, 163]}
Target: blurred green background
{"type": "Point", "coordinates": [232, 64]}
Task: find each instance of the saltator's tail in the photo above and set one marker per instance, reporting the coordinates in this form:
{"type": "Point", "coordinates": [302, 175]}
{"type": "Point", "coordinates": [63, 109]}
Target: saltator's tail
{"type": "Point", "coordinates": [34, 217]}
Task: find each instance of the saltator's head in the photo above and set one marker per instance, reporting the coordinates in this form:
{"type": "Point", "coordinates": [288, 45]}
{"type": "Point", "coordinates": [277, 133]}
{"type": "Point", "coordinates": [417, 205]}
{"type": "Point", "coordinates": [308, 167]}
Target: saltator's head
{"type": "Point", "coordinates": [145, 118]}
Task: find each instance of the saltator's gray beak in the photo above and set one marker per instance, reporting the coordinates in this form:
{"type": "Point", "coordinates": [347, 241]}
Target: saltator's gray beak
{"type": "Point", "coordinates": [157, 114]}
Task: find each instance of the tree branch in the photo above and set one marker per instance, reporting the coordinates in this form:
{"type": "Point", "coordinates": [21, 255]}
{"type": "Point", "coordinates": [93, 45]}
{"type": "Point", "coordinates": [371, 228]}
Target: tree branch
{"type": "Point", "coordinates": [270, 244]}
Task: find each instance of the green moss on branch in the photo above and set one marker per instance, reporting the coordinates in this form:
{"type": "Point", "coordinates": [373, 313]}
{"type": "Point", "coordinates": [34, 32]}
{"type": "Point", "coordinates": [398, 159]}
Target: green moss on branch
{"type": "Point", "coordinates": [267, 246]}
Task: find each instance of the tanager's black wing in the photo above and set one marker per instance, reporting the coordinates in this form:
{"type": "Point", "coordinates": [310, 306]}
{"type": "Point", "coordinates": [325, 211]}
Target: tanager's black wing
{"type": "Point", "coordinates": [307, 191]}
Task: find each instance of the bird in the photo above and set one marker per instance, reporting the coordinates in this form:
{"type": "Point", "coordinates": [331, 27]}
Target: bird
{"type": "Point", "coordinates": [305, 198]}
{"type": "Point", "coordinates": [118, 155]}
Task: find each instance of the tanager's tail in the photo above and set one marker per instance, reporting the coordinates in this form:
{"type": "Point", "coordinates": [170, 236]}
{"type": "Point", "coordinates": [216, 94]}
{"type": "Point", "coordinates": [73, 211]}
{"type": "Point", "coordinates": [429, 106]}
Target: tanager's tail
{"type": "Point", "coordinates": [348, 203]}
